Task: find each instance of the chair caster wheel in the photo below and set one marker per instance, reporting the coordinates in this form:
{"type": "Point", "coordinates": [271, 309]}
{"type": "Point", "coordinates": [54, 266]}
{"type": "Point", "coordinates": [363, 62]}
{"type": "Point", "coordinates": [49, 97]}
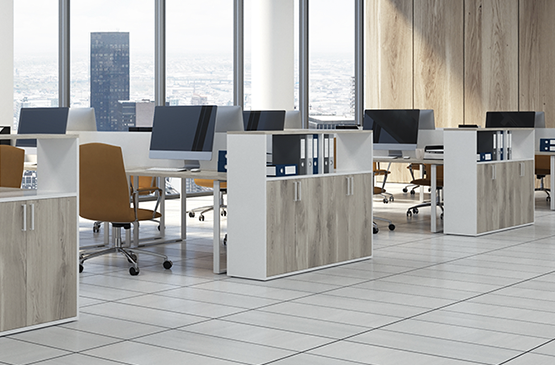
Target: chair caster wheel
{"type": "Point", "coordinates": [405, 190]}
{"type": "Point", "coordinates": [225, 240]}
{"type": "Point", "coordinates": [409, 213]}
{"type": "Point", "coordinates": [385, 201]}
{"type": "Point", "coordinates": [548, 199]}
{"type": "Point", "coordinates": [391, 199]}
{"type": "Point", "coordinates": [391, 227]}
{"type": "Point", "coordinates": [192, 214]}
{"type": "Point", "coordinates": [441, 216]}
{"type": "Point", "coordinates": [375, 230]}
{"type": "Point", "coordinates": [81, 268]}
{"type": "Point", "coordinates": [201, 218]}
{"type": "Point", "coordinates": [223, 213]}
{"type": "Point", "coordinates": [415, 210]}
{"type": "Point", "coordinates": [133, 271]}
{"type": "Point", "coordinates": [412, 192]}
{"type": "Point", "coordinates": [167, 264]}
{"type": "Point", "coordinates": [96, 227]}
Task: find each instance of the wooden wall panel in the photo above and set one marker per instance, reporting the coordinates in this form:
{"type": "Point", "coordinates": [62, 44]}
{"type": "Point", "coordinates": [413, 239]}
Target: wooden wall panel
{"type": "Point", "coordinates": [491, 58]}
{"type": "Point", "coordinates": [438, 59]}
{"type": "Point", "coordinates": [389, 60]}
{"type": "Point", "coordinates": [537, 54]}
{"type": "Point", "coordinates": [389, 73]}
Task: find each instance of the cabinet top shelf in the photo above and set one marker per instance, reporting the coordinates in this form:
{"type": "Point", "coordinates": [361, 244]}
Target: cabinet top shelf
{"type": "Point", "coordinates": [304, 131]}
{"type": "Point", "coordinates": [488, 129]}
{"type": "Point", "coordinates": [38, 136]}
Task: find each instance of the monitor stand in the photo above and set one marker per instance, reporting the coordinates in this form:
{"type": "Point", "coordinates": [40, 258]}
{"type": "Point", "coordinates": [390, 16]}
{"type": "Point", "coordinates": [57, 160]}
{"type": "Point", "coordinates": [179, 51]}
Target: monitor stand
{"type": "Point", "coordinates": [191, 164]}
{"type": "Point", "coordinates": [395, 153]}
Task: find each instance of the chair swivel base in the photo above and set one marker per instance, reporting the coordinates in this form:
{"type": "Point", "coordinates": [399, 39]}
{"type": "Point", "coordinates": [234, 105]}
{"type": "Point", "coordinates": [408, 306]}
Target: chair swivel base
{"type": "Point", "coordinates": [129, 253]}
{"type": "Point", "coordinates": [205, 209]}
{"type": "Point", "coordinates": [375, 230]}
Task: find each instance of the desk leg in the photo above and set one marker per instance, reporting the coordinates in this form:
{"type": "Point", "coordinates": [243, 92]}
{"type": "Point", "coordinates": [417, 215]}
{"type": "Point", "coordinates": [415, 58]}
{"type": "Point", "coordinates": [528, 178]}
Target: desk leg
{"type": "Point", "coordinates": [216, 243]}
{"type": "Point", "coordinates": [433, 199]}
{"type": "Point", "coordinates": [421, 188]}
{"type": "Point", "coordinates": [183, 198]}
{"type": "Point", "coordinates": [552, 182]}
{"type": "Point", "coordinates": [162, 183]}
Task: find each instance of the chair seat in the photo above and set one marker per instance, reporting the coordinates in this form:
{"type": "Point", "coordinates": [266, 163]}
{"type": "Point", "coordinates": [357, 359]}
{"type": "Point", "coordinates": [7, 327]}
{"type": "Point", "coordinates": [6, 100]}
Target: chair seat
{"type": "Point", "coordinates": [427, 182]}
{"type": "Point", "coordinates": [146, 214]}
{"type": "Point", "coordinates": [378, 190]}
{"type": "Point", "coordinates": [542, 171]}
{"type": "Point", "coordinates": [209, 183]}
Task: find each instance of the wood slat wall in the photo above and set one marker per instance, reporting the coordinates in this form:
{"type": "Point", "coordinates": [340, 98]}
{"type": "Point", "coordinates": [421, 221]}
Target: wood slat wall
{"type": "Point", "coordinates": [491, 58]}
{"type": "Point", "coordinates": [464, 57]}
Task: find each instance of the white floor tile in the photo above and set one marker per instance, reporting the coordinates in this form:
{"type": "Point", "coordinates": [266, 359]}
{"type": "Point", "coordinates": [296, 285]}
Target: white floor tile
{"type": "Point", "coordinates": [17, 352]}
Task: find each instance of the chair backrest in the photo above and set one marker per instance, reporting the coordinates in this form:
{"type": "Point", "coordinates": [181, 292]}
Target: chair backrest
{"type": "Point", "coordinates": [11, 166]}
{"type": "Point", "coordinates": [542, 164]}
{"type": "Point", "coordinates": [103, 187]}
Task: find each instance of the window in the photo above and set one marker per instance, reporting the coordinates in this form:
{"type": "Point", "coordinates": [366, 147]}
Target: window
{"type": "Point", "coordinates": [112, 61]}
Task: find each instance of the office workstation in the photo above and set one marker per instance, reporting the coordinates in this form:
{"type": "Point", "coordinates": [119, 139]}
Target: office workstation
{"type": "Point", "coordinates": [422, 298]}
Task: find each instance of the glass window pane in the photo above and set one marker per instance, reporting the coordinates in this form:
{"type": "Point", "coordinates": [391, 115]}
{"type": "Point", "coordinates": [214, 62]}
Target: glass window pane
{"type": "Point", "coordinates": [331, 61]}
{"type": "Point", "coordinates": [112, 61]}
{"type": "Point", "coordinates": [199, 45]}
{"type": "Point", "coordinates": [35, 54]}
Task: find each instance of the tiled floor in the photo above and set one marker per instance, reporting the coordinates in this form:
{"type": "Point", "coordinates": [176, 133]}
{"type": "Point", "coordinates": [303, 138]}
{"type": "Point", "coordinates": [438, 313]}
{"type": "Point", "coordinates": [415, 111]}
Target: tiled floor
{"type": "Point", "coordinates": [423, 299]}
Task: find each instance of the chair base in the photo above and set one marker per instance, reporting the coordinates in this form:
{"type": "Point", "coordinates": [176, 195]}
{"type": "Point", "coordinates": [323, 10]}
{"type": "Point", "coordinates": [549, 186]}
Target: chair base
{"type": "Point", "coordinates": [391, 226]}
{"type": "Point", "coordinates": [129, 253]}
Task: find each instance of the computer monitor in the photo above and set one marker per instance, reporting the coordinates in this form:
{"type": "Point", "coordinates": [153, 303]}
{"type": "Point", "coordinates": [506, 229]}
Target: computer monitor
{"type": "Point", "coordinates": [229, 118]}
{"type": "Point", "coordinates": [183, 133]}
{"type": "Point", "coordinates": [81, 119]}
{"type": "Point", "coordinates": [510, 119]}
{"type": "Point", "coordinates": [426, 119]}
{"type": "Point", "coordinates": [264, 120]}
{"type": "Point", "coordinates": [539, 120]}
{"type": "Point", "coordinates": [292, 119]}
{"type": "Point", "coordinates": [395, 130]}
{"type": "Point", "coordinates": [39, 121]}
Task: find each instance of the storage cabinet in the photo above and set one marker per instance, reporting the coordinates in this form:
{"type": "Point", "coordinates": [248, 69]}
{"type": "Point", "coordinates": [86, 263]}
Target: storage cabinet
{"type": "Point", "coordinates": [318, 221]}
{"type": "Point", "coordinates": [488, 196]}
{"type": "Point", "coordinates": [284, 225]}
{"type": "Point", "coordinates": [40, 234]}
{"type": "Point", "coordinates": [39, 241]}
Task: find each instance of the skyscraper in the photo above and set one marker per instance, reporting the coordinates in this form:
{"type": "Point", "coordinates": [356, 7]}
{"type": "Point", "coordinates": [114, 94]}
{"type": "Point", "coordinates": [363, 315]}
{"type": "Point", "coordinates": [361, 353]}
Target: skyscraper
{"type": "Point", "coordinates": [109, 77]}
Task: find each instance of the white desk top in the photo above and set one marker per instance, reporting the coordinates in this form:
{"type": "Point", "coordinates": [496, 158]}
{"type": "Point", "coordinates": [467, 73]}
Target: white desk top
{"type": "Point", "coordinates": [408, 160]}
{"type": "Point", "coordinates": [203, 174]}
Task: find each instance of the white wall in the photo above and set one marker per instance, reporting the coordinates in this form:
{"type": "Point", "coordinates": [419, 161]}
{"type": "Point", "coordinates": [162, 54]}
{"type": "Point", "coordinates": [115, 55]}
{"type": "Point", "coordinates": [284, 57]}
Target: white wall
{"type": "Point", "coordinates": [6, 62]}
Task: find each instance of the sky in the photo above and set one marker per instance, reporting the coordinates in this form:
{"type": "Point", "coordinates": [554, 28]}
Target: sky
{"type": "Point", "coordinates": [192, 25]}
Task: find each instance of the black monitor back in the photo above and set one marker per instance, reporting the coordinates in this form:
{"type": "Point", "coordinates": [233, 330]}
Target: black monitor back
{"type": "Point", "coordinates": [41, 121]}
{"type": "Point", "coordinates": [264, 120]}
{"type": "Point", "coordinates": [510, 119]}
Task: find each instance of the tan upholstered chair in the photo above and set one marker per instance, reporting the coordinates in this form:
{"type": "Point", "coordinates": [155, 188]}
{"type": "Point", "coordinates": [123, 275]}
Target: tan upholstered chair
{"type": "Point", "coordinates": [11, 166]}
{"type": "Point", "coordinates": [542, 169]}
{"type": "Point", "coordinates": [208, 183]}
{"type": "Point", "coordinates": [426, 181]}
{"type": "Point", "coordinates": [104, 196]}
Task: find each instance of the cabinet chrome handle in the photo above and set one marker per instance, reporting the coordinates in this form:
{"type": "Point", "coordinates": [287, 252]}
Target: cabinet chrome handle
{"type": "Point", "coordinates": [32, 217]}
{"type": "Point", "coordinates": [24, 217]}
{"type": "Point", "coordinates": [522, 169]}
{"type": "Point", "coordinates": [296, 192]}
{"type": "Point", "coordinates": [300, 191]}
{"type": "Point", "coordinates": [493, 172]}
{"type": "Point", "coordinates": [348, 185]}
{"type": "Point", "coordinates": [352, 185]}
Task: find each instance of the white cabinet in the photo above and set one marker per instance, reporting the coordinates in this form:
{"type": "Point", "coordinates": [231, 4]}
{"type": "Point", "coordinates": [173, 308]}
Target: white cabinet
{"type": "Point", "coordinates": [279, 226]}
{"type": "Point", "coordinates": [488, 196]}
{"type": "Point", "coordinates": [39, 242]}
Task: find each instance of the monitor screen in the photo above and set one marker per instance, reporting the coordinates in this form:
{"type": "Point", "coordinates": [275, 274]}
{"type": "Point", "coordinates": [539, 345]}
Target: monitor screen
{"type": "Point", "coordinates": [183, 132]}
{"type": "Point", "coordinates": [81, 119]}
{"type": "Point", "coordinates": [229, 118]}
{"type": "Point", "coordinates": [394, 129]}
{"type": "Point", "coordinates": [510, 119]}
{"type": "Point", "coordinates": [41, 121]}
{"type": "Point", "coordinates": [264, 120]}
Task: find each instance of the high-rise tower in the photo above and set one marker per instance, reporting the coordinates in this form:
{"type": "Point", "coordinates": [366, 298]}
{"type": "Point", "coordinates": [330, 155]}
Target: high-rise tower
{"type": "Point", "coordinates": [109, 77]}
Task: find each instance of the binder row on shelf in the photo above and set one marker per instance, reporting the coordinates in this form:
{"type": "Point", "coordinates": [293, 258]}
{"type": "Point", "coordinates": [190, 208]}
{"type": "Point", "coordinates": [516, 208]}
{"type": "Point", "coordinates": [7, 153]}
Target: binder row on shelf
{"type": "Point", "coordinates": [547, 144]}
{"type": "Point", "coordinates": [311, 154]}
{"type": "Point", "coordinates": [494, 146]}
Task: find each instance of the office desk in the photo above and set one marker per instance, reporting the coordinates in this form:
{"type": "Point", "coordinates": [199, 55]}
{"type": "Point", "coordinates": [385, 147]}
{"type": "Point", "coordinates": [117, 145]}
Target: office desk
{"type": "Point", "coordinates": [433, 178]}
{"type": "Point", "coordinates": [551, 171]}
{"type": "Point", "coordinates": [212, 175]}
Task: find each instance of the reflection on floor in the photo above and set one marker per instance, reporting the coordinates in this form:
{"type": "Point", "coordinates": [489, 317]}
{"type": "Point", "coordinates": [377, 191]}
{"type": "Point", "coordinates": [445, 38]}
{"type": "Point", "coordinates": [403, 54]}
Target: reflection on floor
{"type": "Point", "coordinates": [423, 299]}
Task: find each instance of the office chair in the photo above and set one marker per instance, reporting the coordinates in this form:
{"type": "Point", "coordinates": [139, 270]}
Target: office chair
{"type": "Point", "coordinates": [412, 167]}
{"type": "Point", "coordinates": [208, 183]}
{"type": "Point", "coordinates": [104, 196]}
{"type": "Point", "coordinates": [387, 197]}
{"type": "Point", "coordinates": [426, 181]}
{"type": "Point", "coordinates": [542, 169]}
{"type": "Point", "coordinates": [147, 186]}
{"type": "Point", "coordinates": [11, 166]}
{"type": "Point", "coordinates": [391, 226]}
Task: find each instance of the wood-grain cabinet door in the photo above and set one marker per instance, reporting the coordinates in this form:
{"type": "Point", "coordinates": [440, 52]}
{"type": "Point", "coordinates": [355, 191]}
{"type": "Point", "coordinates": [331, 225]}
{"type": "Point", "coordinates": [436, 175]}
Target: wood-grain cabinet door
{"type": "Point", "coordinates": [13, 266]}
{"type": "Point", "coordinates": [360, 229]}
{"type": "Point", "coordinates": [520, 191]}
{"type": "Point", "coordinates": [490, 193]}
{"type": "Point", "coordinates": [286, 236]}
{"type": "Point", "coordinates": [51, 260]}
